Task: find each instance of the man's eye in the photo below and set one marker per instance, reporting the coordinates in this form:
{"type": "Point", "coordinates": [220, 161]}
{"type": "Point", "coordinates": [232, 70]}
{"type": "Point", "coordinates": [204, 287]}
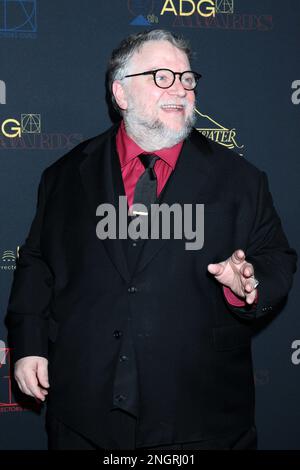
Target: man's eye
{"type": "Point", "coordinates": [188, 79]}
{"type": "Point", "coordinates": [161, 78]}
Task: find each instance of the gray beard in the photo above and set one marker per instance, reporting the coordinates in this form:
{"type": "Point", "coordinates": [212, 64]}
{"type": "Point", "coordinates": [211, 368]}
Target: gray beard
{"type": "Point", "coordinates": [154, 135]}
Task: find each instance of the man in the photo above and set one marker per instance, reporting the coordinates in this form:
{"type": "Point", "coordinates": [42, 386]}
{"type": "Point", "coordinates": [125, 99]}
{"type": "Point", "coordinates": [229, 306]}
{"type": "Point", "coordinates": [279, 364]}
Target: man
{"type": "Point", "coordinates": [142, 343]}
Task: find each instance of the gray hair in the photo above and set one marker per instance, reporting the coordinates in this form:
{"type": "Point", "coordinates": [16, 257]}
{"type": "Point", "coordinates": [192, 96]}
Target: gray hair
{"type": "Point", "coordinates": [121, 56]}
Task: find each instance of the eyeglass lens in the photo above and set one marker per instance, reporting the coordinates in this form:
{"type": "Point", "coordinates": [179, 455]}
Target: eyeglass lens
{"type": "Point", "coordinates": [165, 79]}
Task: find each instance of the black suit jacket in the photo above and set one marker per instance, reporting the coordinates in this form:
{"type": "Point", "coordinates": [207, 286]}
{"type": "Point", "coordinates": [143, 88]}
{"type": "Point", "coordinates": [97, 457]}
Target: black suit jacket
{"type": "Point", "coordinates": [188, 368]}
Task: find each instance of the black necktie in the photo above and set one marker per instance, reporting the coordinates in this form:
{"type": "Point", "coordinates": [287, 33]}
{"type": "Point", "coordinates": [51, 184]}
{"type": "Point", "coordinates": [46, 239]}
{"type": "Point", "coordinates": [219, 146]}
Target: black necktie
{"type": "Point", "coordinates": [146, 186]}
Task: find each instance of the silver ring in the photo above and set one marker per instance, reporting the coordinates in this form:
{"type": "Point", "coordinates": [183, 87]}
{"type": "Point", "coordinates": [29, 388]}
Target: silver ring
{"type": "Point", "coordinates": [256, 282]}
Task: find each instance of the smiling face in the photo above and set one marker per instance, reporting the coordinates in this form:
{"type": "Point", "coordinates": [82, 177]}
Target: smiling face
{"type": "Point", "coordinates": [145, 106]}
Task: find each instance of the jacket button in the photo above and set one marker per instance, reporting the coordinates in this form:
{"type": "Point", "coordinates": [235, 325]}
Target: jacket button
{"type": "Point", "coordinates": [117, 334]}
{"type": "Point", "coordinates": [120, 397]}
{"type": "Point", "coordinates": [132, 289]}
{"type": "Point", "coordinates": [123, 358]}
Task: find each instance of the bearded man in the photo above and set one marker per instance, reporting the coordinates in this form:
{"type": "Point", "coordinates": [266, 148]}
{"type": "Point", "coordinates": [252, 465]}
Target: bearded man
{"type": "Point", "coordinates": [140, 342]}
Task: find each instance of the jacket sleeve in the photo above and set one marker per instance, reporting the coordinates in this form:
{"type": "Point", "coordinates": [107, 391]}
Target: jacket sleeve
{"type": "Point", "coordinates": [31, 292]}
{"type": "Point", "coordinates": [273, 260]}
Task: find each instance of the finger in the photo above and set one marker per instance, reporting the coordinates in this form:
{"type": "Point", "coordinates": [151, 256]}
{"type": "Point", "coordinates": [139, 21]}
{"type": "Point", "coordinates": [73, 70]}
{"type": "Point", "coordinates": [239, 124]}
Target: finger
{"type": "Point", "coordinates": [238, 257]}
{"type": "Point", "coordinates": [42, 374]}
{"type": "Point", "coordinates": [251, 297]}
{"type": "Point", "coordinates": [32, 385]}
{"type": "Point", "coordinates": [25, 389]}
{"type": "Point", "coordinates": [21, 384]}
{"type": "Point", "coordinates": [216, 269]}
{"type": "Point", "coordinates": [37, 392]}
{"type": "Point", "coordinates": [248, 285]}
{"type": "Point", "coordinates": [247, 270]}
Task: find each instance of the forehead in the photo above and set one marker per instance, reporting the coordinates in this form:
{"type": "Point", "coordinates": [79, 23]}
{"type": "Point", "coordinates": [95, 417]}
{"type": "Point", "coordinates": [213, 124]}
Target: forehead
{"type": "Point", "coordinates": [159, 54]}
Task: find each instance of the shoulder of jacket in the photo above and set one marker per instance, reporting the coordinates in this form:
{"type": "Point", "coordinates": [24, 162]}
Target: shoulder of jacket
{"type": "Point", "coordinates": [223, 158]}
{"type": "Point", "coordinates": [76, 155]}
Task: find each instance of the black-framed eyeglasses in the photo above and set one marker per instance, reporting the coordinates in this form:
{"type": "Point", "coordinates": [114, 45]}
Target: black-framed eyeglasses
{"type": "Point", "coordinates": [164, 78]}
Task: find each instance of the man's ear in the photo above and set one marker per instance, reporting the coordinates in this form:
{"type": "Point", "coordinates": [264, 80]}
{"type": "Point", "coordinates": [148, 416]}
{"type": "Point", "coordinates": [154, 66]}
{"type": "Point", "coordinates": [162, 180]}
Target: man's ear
{"type": "Point", "coordinates": [119, 94]}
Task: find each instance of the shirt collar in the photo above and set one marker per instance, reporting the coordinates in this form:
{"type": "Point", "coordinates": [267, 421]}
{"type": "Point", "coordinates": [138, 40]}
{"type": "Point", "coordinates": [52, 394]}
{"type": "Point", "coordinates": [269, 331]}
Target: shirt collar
{"type": "Point", "coordinates": [128, 149]}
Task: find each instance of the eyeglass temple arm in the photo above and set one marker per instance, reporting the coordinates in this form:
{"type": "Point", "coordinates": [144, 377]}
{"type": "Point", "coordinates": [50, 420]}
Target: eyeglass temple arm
{"type": "Point", "coordinates": [142, 73]}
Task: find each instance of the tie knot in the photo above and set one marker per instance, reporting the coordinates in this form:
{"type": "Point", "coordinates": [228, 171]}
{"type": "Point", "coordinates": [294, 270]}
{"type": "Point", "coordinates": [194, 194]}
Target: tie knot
{"type": "Point", "coordinates": [148, 160]}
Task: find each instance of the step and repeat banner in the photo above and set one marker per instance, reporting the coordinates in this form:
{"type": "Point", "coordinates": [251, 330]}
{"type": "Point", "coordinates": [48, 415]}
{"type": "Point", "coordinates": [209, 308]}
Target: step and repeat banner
{"type": "Point", "coordinates": [53, 57]}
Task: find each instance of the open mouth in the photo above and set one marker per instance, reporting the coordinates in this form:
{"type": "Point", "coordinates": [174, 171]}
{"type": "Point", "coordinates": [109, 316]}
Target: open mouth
{"type": "Point", "coordinates": [173, 107]}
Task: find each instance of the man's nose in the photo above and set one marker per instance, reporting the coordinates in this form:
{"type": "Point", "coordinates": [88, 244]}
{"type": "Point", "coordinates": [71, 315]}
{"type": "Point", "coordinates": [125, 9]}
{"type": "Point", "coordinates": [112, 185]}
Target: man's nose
{"type": "Point", "coordinates": [177, 87]}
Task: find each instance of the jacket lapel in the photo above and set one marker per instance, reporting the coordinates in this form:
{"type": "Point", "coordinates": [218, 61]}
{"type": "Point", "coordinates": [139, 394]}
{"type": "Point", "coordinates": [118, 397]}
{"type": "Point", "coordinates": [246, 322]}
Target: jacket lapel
{"type": "Point", "coordinates": [100, 173]}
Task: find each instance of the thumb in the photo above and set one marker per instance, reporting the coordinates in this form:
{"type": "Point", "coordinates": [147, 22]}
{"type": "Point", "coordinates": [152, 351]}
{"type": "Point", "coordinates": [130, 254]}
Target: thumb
{"type": "Point", "coordinates": [42, 373]}
{"type": "Point", "coordinates": [215, 269]}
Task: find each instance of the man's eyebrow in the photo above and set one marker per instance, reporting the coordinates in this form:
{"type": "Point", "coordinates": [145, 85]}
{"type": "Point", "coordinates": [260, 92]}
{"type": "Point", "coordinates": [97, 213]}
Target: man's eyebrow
{"type": "Point", "coordinates": [156, 68]}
